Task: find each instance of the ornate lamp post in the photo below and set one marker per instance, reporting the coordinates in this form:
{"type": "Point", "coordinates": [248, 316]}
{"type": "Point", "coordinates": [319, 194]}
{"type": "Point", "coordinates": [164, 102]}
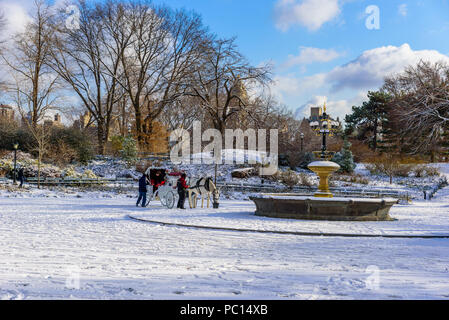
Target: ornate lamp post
{"type": "Point", "coordinates": [302, 142]}
{"type": "Point", "coordinates": [324, 127]}
{"type": "Point", "coordinates": [323, 168]}
{"type": "Point", "coordinates": [15, 146]}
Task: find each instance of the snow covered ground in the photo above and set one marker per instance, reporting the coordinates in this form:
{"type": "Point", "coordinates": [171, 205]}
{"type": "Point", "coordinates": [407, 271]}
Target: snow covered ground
{"type": "Point", "coordinates": [83, 246]}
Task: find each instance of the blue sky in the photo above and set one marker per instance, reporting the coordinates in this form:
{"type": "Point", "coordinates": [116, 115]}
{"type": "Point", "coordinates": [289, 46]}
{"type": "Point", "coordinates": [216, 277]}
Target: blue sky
{"type": "Point", "coordinates": [278, 31]}
{"type": "Point", "coordinates": [322, 50]}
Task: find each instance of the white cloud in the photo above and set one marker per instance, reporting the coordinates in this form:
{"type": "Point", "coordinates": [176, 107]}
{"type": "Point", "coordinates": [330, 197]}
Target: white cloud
{"type": "Point", "coordinates": [308, 55]}
{"type": "Point", "coordinates": [290, 85]}
{"type": "Point", "coordinates": [350, 82]}
{"type": "Point", "coordinates": [311, 14]}
{"type": "Point", "coordinates": [372, 66]}
{"type": "Point", "coordinates": [16, 16]}
{"type": "Point", "coordinates": [337, 108]}
{"type": "Point", "coordinates": [403, 10]}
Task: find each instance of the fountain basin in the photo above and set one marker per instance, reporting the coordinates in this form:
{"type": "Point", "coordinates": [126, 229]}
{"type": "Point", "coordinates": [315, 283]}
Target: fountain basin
{"type": "Point", "coordinates": [323, 169]}
{"type": "Point", "coordinates": [292, 206]}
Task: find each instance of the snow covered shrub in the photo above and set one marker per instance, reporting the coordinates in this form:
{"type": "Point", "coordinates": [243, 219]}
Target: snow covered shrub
{"type": "Point", "coordinates": [359, 179]}
{"type": "Point", "coordinates": [89, 174]}
{"type": "Point", "coordinates": [70, 172]}
{"type": "Point", "coordinates": [420, 171]}
{"type": "Point", "coordinates": [404, 170]}
{"type": "Point", "coordinates": [290, 178]}
{"type": "Point", "coordinates": [29, 165]}
{"type": "Point", "coordinates": [6, 167]}
{"type": "Point", "coordinates": [353, 178]}
{"type": "Point", "coordinates": [243, 173]}
{"type": "Point", "coordinates": [304, 180]}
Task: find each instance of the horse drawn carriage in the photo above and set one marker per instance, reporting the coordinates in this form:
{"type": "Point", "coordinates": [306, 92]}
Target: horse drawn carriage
{"type": "Point", "coordinates": [163, 186]}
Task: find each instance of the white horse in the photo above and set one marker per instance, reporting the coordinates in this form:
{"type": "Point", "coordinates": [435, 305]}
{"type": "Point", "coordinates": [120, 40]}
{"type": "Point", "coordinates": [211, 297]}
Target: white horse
{"type": "Point", "coordinates": [202, 187]}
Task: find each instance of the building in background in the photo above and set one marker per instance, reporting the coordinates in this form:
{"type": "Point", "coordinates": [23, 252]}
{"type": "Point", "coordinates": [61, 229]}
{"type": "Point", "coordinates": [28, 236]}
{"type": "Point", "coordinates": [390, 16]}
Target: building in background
{"type": "Point", "coordinates": [6, 113]}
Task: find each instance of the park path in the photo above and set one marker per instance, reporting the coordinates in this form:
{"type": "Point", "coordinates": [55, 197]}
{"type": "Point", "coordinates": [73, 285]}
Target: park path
{"type": "Point", "coordinates": [48, 242]}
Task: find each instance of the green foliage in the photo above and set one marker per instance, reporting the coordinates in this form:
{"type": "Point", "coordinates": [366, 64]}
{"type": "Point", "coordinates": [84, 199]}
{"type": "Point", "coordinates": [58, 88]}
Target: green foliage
{"type": "Point", "coordinates": [129, 150]}
{"type": "Point", "coordinates": [72, 139]}
{"type": "Point", "coordinates": [65, 145]}
{"type": "Point", "coordinates": [11, 133]}
{"type": "Point", "coordinates": [117, 144]}
{"type": "Point", "coordinates": [306, 159]}
{"type": "Point", "coordinates": [366, 121]}
{"type": "Point", "coordinates": [344, 158]}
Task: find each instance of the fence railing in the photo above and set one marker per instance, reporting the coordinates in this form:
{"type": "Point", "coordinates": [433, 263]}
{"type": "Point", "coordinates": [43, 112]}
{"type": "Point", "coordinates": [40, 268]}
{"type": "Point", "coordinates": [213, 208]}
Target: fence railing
{"type": "Point", "coordinates": [430, 192]}
{"type": "Point", "coordinates": [79, 181]}
{"type": "Point", "coordinates": [339, 191]}
{"type": "Point", "coordinates": [242, 187]}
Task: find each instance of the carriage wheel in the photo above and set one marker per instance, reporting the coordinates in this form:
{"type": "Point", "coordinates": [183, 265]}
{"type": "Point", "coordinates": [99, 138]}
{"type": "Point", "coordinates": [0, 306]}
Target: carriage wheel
{"type": "Point", "coordinates": [148, 201]}
{"type": "Point", "coordinates": [170, 200]}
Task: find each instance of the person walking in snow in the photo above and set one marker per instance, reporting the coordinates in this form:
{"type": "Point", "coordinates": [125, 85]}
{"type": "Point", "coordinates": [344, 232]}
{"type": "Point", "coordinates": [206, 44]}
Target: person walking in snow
{"type": "Point", "coordinates": [143, 182]}
{"type": "Point", "coordinates": [182, 186]}
{"type": "Point", "coordinates": [21, 177]}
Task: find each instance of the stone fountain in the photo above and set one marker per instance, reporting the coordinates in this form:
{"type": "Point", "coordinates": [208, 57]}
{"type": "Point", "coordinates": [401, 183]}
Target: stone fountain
{"type": "Point", "coordinates": [323, 206]}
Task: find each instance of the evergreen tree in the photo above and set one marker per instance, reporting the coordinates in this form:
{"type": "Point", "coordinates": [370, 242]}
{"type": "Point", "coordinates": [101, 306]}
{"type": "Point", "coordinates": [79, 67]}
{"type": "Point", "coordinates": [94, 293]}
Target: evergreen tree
{"type": "Point", "coordinates": [368, 121]}
{"type": "Point", "coordinates": [129, 150]}
{"type": "Point", "coordinates": [344, 158]}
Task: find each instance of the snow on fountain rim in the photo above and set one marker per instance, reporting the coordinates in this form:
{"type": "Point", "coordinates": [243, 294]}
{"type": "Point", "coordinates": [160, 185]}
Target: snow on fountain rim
{"type": "Point", "coordinates": [319, 199]}
{"type": "Point", "coordinates": [324, 164]}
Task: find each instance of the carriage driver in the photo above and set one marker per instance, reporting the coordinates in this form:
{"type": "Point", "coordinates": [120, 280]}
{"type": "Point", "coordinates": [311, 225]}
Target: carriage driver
{"type": "Point", "coordinates": [143, 182]}
{"type": "Point", "coordinates": [157, 181]}
{"type": "Point", "coordinates": [182, 186]}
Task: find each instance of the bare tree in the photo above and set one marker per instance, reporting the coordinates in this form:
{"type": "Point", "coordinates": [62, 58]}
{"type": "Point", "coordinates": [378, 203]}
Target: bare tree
{"type": "Point", "coordinates": [80, 58]}
{"type": "Point", "coordinates": [34, 85]}
{"type": "Point", "coordinates": [165, 47]}
{"type": "Point", "coordinates": [41, 134]}
{"type": "Point", "coordinates": [420, 106]}
{"type": "Point", "coordinates": [181, 114]}
{"type": "Point", "coordinates": [222, 80]}
{"type": "Point", "coordinates": [2, 41]}
{"type": "Point", "coordinates": [2, 27]}
{"type": "Point", "coordinates": [34, 88]}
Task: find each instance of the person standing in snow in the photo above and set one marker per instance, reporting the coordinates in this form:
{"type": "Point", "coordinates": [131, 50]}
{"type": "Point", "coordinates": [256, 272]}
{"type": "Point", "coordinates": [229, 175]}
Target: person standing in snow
{"type": "Point", "coordinates": [182, 186]}
{"type": "Point", "coordinates": [143, 182]}
{"type": "Point", "coordinates": [21, 177]}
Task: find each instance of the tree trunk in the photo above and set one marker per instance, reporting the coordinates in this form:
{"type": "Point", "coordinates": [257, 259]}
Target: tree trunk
{"type": "Point", "coordinates": [375, 136]}
{"type": "Point", "coordinates": [39, 159]}
{"type": "Point", "coordinates": [101, 136]}
{"type": "Point", "coordinates": [139, 123]}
